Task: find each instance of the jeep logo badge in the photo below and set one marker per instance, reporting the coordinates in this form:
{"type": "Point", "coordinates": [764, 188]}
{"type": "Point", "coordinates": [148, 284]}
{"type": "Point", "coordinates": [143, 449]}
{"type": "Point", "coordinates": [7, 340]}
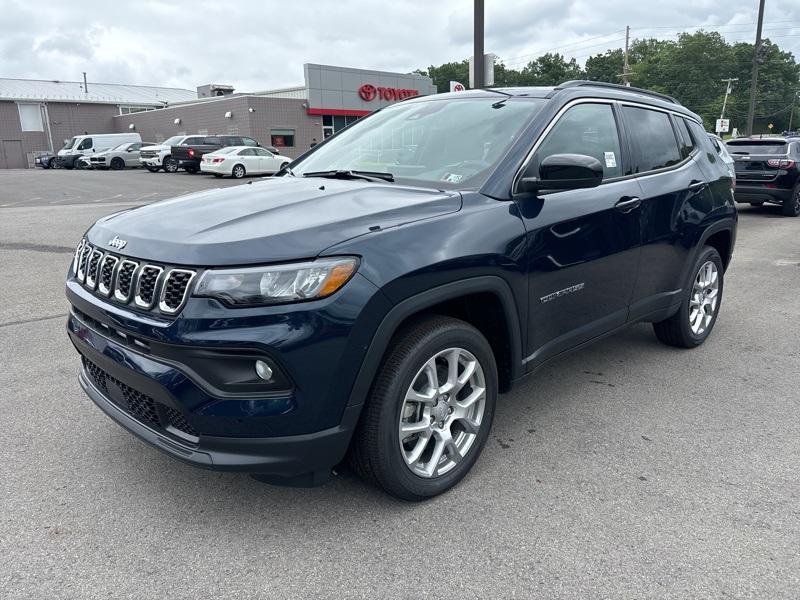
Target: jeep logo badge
{"type": "Point", "coordinates": [117, 243]}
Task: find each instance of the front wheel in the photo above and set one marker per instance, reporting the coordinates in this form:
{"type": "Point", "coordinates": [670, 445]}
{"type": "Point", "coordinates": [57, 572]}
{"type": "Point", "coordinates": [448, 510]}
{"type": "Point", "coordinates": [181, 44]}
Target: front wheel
{"type": "Point", "coordinates": [53, 163]}
{"type": "Point", "coordinates": [430, 410]}
{"type": "Point", "coordinates": [695, 319]}
{"type": "Point", "coordinates": [117, 163]}
{"type": "Point", "coordinates": [791, 208]}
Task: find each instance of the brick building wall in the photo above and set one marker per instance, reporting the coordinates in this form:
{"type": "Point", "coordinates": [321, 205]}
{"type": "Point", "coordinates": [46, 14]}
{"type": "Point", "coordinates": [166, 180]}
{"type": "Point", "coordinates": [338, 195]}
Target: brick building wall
{"type": "Point", "coordinates": [66, 120]}
{"type": "Point", "coordinates": [208, 118]}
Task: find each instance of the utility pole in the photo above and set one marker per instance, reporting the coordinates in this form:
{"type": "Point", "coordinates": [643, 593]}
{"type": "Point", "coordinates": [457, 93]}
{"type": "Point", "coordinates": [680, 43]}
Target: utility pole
{"type": "Point", "coordinates": [795, 98]}
{"type": "Point", "coordinates": [729, 81]}
{"type": "Point", "coordinates": [85, 85]}
{"type": "Point", "coordinates": [756, 58]}
{"type": "Point", "coordinates": [477, 58]}
{"type": "Point", "coordinates": [626, 68]}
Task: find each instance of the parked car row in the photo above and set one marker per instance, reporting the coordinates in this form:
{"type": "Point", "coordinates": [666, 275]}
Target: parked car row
{"type": "Point", "coordinates": [219, 155]}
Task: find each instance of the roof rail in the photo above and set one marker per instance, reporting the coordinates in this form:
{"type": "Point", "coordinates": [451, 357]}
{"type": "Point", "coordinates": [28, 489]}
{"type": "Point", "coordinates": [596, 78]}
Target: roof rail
{"type": "Point", "coordinates": [614, 86]}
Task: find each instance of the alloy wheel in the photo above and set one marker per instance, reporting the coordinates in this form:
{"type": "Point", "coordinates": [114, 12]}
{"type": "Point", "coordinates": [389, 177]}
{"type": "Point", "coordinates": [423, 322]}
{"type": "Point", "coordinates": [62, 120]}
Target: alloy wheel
{"type": "Point", "coordinates": [704, 298]}
{"type": "Point", "coordinates": [442, 412]}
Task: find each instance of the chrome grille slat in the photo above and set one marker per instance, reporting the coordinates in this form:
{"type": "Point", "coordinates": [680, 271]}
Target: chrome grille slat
{"type": "Point", "coordinates": [77, 258]}
{"type": "Point", "coordinates": [107, 270]}
{"type": "Point", "coordinates": [174, 290]}
{"type": "Point", "coordinates": [87, 250]}
{"type": "Point", "coordinates": [92, 268]}
{"type": "Point", "coordinates": [147, 285]}
{"type": "Point", "coordinates": [126, 272]}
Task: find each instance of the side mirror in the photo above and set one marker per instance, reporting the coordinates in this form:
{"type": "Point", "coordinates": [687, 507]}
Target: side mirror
{"type": "Point", "coordinates": [564, 172]}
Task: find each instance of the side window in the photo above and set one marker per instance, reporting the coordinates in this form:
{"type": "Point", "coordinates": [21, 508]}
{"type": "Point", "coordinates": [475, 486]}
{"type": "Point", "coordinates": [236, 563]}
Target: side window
{"type": "Point", "coordinates": [85, 144]}
{"type": "Point", "coordinates": [652, 137]}
{"type": "Point", "coordinates": [687, 143]}
{"type": "Point", "coordinates": [247, 152]}
{"type": "Point", "coordinates": [212, 141]}
{"type": "Point", "coordinates": [134, 147]}
{"type": "Point", "coordinates": [192, 141]}
{"type": "Point", "coordinates": [246, 141]}
{"type": "Point", "coordinates": [589, 129]}
{"type": "Point", "coordinates": [703, 141]}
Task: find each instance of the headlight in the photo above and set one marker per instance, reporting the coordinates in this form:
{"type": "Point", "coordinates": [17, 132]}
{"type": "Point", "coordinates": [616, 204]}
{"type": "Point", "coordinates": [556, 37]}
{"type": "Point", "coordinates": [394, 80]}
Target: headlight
{"type": "Point", "coordinates": [275, 284]}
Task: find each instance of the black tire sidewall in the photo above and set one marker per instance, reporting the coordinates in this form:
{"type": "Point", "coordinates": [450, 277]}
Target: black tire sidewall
{"type": "Point", "coordinates": [235, 169]}
{"type": "Point", "coordinates": [117, 164]}
{"type": "Point", "coordinates": [706, 254]}
{"type": "Point", "coordinates": [792, 206]}
{"type": "Point", "coordinates": [462, 336]}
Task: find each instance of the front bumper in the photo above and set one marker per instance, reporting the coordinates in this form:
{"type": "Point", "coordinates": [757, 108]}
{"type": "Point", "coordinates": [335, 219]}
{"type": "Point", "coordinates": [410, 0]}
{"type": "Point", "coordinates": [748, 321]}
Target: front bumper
{"type": "Point", "coordinates": [153, 161]}
{"type": "Point", "coordinates": [149, 375]}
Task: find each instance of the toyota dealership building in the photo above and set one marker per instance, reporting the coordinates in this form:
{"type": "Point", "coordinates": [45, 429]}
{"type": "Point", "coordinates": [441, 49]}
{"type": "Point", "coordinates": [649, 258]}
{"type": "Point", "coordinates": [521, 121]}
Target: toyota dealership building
{"type": "Point", "coordinates": [291, 119]}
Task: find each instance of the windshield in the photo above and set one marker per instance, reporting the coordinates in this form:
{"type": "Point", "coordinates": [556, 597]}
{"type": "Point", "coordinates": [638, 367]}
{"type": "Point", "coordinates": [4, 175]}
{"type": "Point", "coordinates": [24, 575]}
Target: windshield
{"type": "Point", "coordinates": [69, 143]}
{"type": "Point", "coordinates": [758, 147]}
{"type": "Point", "coordinates": [445, 143]}
{"type": "Point", "coordinates": [120, 147]}
{"type": "Point", "coordinates": [173, 141]}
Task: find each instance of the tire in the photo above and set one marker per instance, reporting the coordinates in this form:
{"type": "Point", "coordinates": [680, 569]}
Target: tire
{"type": "Point", "coordinates": [191, 169]}
{"type": "Point", "coordinates": [117, 163]}
{"type": "Point", "coordinates": [77, 164]}
{"type": "Point", "coordinates": [791, 208]}
{"type": "Point", "coordinates": [687, 328]}
{"type": "Point", "coordinates": [377, 452]}
{"type": "Point", "coordinates": [238, 171]}
{"type": "Point", "coordinates": [152, 169]}
{"type": "Point", "coordinates": [52, 163]}
{"type": "Point", "coordinates": [170, 164]}
{"type": "Point", "coordinates": [218, 175]}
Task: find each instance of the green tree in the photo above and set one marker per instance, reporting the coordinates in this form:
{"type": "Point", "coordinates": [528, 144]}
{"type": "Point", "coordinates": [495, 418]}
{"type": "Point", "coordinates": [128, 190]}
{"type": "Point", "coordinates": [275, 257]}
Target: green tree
{"type": "Point", "coordinates": [551, 69]}
{"type": "Point", "coordinates": [605, 67]}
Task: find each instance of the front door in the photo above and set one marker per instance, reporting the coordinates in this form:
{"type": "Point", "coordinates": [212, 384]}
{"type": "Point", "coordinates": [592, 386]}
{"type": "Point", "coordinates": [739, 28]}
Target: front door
{"type": "Point", "coordinates": [583, 245]}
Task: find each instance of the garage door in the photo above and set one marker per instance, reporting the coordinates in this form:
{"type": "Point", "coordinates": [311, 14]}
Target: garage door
{"type": "Point", "coordinates": [13, 156]}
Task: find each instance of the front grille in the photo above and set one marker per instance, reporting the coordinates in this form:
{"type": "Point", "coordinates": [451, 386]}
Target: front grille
{"type": "Point", "coordinates": [140, 406]}
{"type": "Point", "coordinates": [148, 154]}
{"type": "Point", "coordinates": [145, 286]}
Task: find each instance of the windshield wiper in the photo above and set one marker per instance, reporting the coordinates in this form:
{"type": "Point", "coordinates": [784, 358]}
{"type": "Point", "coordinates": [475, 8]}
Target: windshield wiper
{"type": "Point", "coordinates": [349, 174]}
{"type": "Point", "coordinates": [499, 103]}
{"type": "Point", "coordinates": [285, 168]}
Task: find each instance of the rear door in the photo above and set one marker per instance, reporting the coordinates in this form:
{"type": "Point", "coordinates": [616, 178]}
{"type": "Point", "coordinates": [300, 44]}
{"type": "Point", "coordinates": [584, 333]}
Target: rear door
{"type": "Point", "coordinates": [674, 193]}
{"type": "Point", "coordinates": [582, 249]}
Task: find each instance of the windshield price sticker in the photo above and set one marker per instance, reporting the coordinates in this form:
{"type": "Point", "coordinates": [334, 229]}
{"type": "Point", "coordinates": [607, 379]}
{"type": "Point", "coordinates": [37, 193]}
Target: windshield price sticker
{"type": "Point", "coordinates": [611, 160]}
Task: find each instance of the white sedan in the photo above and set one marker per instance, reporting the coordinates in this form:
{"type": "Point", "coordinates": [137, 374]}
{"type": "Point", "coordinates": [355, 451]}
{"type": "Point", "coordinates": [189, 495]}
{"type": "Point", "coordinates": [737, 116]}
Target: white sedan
{"type": "Point", "coordinates": [238, 161]}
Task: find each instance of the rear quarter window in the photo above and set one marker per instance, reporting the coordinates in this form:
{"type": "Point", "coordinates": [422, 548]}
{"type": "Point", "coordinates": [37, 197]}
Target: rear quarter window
{"type": "Point", "coordinates": [653, 139]}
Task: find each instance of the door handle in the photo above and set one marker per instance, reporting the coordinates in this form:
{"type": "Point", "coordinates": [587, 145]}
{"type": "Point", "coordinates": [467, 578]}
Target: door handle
{"type": "Point", "coordinates": [696, 186]}
{"type": "Point", "coordinates": [628, 203]}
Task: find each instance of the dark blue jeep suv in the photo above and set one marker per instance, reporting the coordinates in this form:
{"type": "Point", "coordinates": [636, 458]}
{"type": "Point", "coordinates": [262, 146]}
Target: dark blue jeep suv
{"type": "Point", "coordinates": [373, 299]}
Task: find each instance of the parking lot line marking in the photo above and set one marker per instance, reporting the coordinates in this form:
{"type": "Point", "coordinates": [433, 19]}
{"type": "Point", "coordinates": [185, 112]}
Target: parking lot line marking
{"type": "Point", "coordinates": [19, 202]}
{"type": "Point", "coordinates": [108, 198]}
{"type": "Point", "coordinates": [146, 196]}
{"type": "Point", "coordinates": [65, 200]}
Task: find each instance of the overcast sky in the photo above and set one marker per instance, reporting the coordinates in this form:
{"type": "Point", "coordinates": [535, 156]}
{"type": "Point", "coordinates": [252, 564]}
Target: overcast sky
{"type": "Point", "coordinates": [261, 44]}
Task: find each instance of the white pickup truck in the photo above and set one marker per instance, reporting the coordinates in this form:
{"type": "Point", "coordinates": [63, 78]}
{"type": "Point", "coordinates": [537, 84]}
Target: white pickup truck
{"type": "Point", "coordinates": [154, 158]}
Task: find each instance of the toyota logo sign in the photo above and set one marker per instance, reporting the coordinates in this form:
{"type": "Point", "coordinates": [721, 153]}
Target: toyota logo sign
{"type": "Point", "coordinates": [367, 92]}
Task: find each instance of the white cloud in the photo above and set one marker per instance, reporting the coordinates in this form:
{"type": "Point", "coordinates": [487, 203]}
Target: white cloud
{"type": "Point", "coordinates": [260, 44]}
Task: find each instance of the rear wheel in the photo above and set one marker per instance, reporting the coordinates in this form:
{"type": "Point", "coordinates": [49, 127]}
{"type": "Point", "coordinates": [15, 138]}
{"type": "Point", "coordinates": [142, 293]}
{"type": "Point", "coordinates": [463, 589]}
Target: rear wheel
{"type": "Point", "coordinates": [190, 169]}
{"type": "Point", "coordinates": [695, 319]}
{"type": "Point", "coordinates": [170, 165]}
{"type": "Point", "coordinates": [238, 172]}
{"type": "Point", "coordinates": [791, 208]}
{"type": "Point", "coordinates": [117, 163]}
{"type": "Point", "coordinates": [218, 175]}
{"type": "Point", "coordinates": [430, 410]}
{"type": "Point", "coordinates": [78, 165]}
{"type": "Point", "coordinates": [53, 163]}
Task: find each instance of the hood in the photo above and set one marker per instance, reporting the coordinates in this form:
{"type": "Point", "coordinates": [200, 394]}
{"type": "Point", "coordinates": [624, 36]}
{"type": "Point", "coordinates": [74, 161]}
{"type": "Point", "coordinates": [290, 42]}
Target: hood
{"type": "Point", "coordinates": [156, 147]}
{"type": "Point", "coordinates": [272, 220]}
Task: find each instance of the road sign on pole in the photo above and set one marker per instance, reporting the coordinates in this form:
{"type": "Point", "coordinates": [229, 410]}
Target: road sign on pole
{"type": "Point", "coordinates": [456, 86]}
{"type": "Point", "coordinates": [723, 125]}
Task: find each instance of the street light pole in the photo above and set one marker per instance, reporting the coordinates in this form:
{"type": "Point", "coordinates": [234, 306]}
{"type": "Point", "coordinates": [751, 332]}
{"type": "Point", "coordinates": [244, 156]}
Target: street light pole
{"type": "Point", "coordinates": [756, 57]}
{"type": "Point", "coordinates": [477, 58]}
{"type": "Point", "coordinates": [729, 81]}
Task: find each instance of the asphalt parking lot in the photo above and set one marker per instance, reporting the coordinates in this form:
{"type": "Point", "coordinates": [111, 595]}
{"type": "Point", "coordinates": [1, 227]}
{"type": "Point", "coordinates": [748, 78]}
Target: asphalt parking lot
{"type": "Point", "coordinates": [626, 470]}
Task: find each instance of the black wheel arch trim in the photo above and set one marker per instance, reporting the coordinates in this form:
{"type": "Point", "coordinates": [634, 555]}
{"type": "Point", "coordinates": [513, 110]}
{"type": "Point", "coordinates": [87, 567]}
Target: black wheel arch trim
{"type": "Point", "coordinates": [419, 303]}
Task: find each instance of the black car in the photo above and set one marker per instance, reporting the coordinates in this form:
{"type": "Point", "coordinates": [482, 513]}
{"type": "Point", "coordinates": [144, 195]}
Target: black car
{"type": "Point", "coordinates": [767, 170]}
{"type": "Point", "coordinates": [189, 156]}
{"type": "Point", "coordinates": [375, 299]}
